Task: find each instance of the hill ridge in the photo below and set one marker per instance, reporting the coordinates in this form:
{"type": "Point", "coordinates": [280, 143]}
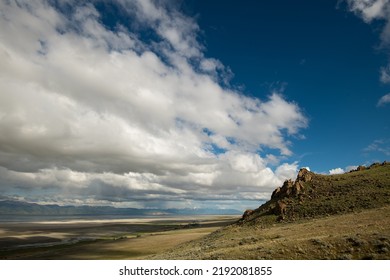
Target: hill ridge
{"type": "Point", "coordinates": [315, 195]}
{"type": "Point", "coordinates": [345, 216]}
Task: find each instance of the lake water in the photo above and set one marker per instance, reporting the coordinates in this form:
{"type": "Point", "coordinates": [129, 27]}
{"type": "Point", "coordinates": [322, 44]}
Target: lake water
{"type": "Point", "coordinates": [102, 218]}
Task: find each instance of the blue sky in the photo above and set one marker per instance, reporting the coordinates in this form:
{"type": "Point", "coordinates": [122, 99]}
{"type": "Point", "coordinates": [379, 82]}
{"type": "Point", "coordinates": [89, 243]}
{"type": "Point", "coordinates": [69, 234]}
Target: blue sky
{"type": "Point", "coordinates": [187, 103]}
{"type": "Point", "coordinates": [322, 56]}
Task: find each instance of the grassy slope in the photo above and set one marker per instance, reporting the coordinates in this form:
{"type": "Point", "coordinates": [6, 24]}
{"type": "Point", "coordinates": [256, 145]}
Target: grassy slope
{"type": "Point", "coordinates": [336, 217]}
{"type": "Point", "coordinates": [326, 195]}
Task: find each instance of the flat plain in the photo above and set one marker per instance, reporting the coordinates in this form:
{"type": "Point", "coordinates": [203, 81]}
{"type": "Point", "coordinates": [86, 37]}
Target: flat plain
{"type": "Point", "coordinates": [103, 239]}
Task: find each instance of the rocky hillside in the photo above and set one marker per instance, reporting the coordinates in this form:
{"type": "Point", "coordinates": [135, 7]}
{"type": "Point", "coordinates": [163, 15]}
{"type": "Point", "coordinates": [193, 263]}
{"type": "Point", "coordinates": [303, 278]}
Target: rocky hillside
{"type": "Point", "coordinates": [312, 195]}
{"type": "Point", "coordinates": [344, 216]}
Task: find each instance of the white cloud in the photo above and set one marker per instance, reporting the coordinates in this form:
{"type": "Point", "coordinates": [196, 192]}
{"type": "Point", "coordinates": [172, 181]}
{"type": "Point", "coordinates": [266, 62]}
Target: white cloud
{"type": "Point", "coordinates": [371, 10]}
{"type": "Point", "coordinates": [384, 100]}
{"type": "Point", "coordinates": [89, 111]}
{"type": "Point", "coordinates": [385, 74]}
{"type": "Point", "coordinates": [380, 146]}
{"type": "Point", "coordinates": [287, 171]}
{"type": "Point", "coordinates": [351, 167]}
{"type": "Point", "coordinates": [336, 171]}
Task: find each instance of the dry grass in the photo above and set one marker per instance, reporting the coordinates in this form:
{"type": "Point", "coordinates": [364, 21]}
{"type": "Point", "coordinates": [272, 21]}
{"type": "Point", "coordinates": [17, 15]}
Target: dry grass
{"type": "Point", "coordinates": [136, 247]}
{"type": "Point", "coordinates": [332, 217]}
{"type": "Point", "coordinates": [362, 235]}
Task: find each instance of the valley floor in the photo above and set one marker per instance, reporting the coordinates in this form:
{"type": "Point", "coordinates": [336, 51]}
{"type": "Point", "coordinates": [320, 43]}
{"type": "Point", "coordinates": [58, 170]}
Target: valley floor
{"type": "Point", "coordinates": [105, 240]}
{"type": "Point", "coordinates": [359, 235]}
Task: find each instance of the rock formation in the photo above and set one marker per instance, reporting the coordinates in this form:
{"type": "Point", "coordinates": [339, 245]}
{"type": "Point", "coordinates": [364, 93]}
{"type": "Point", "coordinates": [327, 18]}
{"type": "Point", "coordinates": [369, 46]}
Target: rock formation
{"type": "Point", "coordinates": [317, 195]}
{"type": "Point", "coordinates": [304, 175]}
{"type": "Point", "coordinates": [247, 213]}
{"type": "Point", "coordinates": [361, 168]}
{"type": "Point", "coordinates": [280, 209]}
{"type": "Point", "coordinates": [291, 188]}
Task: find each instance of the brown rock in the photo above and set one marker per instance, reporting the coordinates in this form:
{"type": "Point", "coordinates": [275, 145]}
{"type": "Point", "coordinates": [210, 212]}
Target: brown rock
{"type": "Point", "coordinates": [280, 209]}
{"type": "Point", "coordinates": [304, 175]}
{"type": "Point", "coordinates": [297, 188]}
{"type": "Point", "coordinates": [287, 187]}
{"type": "Point", "coordinates": [361, 168]}
{"type": "Point", "coordinates": [275, 193]}
{"type": "Point", "coordinates": [247, 213]}
{"type": "Point", "coordinates": [293, 188]}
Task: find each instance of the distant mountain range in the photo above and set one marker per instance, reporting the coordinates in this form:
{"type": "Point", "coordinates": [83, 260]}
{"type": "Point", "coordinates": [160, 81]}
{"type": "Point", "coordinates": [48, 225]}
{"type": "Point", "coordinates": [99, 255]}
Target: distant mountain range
{"type": "Point", "coordinates": [9, 207]}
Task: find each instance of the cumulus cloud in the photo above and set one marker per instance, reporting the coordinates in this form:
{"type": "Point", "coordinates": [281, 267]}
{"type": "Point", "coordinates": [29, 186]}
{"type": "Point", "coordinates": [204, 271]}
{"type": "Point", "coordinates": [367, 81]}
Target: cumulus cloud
{"type": "Point", "coordinates": [134, 112]}
{"type": "Point", "coordinates": [336, 171]}
{"type": "Point", "coordinates": [370, 9]}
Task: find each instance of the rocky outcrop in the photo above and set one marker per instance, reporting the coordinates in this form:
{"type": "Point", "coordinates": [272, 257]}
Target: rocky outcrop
{"type": "Point", "coordinates": [247, 213]}
{"type": "Point", "coordinates": [291, 188]}
{"type": "Point", "coordinates": [374, 165]}
{"type": "Point", "coordinates": [312, 195]}
{"type": "Point", "coordinates": [304, 175]}
{"type": "Point", "coordinates": [280, 209]}
{"type": "Point", "coordinates": [361, 168]}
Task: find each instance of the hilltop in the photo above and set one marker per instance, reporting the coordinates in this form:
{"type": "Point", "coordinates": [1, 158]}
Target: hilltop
{"type": "Point", "coordinates": [344, 216]}
{"type": "Point", "coordinates": [313, 195]}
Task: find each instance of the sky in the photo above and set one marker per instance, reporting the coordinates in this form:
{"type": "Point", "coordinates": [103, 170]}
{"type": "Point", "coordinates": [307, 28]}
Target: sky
{"type": "Point", "coordinates": [187, 104]}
